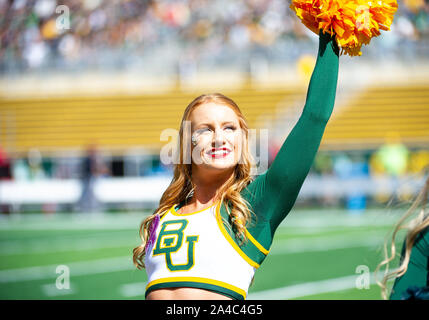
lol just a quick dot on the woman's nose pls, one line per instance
(219, 139)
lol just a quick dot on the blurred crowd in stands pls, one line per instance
(35, 166)
(392, 160)
(126, 34)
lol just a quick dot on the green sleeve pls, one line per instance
(272, 195)
(418, 268)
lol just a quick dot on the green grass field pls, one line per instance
(314, 256)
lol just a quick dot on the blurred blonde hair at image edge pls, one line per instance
(415, 220)
(181, 186)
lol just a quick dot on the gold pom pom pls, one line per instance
(354, 22)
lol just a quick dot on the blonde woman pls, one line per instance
(215, 224)
(412, 275)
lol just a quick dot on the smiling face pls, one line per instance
(217, 137)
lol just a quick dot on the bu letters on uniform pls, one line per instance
(170, 241)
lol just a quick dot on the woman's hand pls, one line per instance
(326, 39)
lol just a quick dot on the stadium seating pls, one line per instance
(121, 122)
(376, 114)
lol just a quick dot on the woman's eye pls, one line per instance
(203, 130)
(230, 128)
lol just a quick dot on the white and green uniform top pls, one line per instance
(195, 250)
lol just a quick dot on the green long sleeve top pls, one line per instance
(272, 195)
(418, 268)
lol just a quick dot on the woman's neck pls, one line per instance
(206, 189)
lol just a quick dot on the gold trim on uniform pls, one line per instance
(201, 280)
(231, 241)
(256, 243)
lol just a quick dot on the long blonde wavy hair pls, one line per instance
(413, 225)
(181, 187)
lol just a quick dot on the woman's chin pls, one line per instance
(218, 165)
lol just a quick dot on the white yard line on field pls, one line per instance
(130, 290)
(51, 290)
(324, 244)
(42, 246)
(76, 269)
(71, 222)
(310, 288)
(324, 220)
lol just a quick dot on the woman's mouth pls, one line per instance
(217, 153)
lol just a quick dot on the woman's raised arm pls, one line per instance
(273, 194)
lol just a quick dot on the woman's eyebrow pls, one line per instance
(228, 122)
(209, 124)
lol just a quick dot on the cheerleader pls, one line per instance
(216, 224)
